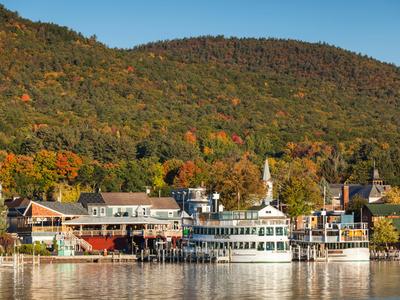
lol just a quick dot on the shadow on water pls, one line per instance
(202, 281)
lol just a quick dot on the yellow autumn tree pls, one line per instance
(393, 196)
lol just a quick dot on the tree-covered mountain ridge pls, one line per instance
(202, 99)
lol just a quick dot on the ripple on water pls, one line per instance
(202, 281)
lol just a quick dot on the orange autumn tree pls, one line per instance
(68, 165)
(191, 174)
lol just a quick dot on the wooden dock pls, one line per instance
(179, 255)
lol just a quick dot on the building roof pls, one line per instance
(69, 209)
(164, 203)
(384, 209)
(18, 202)
(114, 198)
(92, 220)
(365, 191)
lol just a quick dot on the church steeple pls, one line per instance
(376, 180)
(268, 182)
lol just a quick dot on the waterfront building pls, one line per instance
(127, 221)
(192, 200)
(98, 221)
(342, 194)
(41, 221)
(373, 212)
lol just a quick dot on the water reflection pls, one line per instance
(202, 281)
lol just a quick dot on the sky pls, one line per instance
(363, 26)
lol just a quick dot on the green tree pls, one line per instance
(355, 206)
(384, 233)
(301, 195)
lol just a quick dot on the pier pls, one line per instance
(179, 255)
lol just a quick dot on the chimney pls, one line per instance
(345, 196)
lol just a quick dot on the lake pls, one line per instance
(202, 281)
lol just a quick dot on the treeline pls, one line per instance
(304, 167)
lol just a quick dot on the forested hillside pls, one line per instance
(77, 115)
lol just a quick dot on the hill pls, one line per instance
(205, 99)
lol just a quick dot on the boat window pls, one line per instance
(280, 246)
(253, 230)
(242, 215)
(246, 245)
(253, 245)
(269, 246)
(285, 231)
(231, 230)
(241, 230)
(247, 230)
(269, 231)
(279, 230)
(261, 231)
(213, 231)
(241, 245)
(260, 246)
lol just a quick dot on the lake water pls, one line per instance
(202, 281)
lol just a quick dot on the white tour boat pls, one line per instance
(339, 240)
(256, 235)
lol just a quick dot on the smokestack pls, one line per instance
(345, 196)
(215, 198)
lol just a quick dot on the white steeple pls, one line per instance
(268, 182)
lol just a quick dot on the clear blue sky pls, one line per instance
(365, 26)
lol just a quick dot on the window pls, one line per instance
(253, 245)
(241, 230)
(247, 230)
(260, 246)
(170, 214)
(94, 210)
(280, 246)
(102, 211)
(261, 231)
(269, 231)
(254, 230)
(144, 212)
(279, 230)
(246, 245)
(269, 246)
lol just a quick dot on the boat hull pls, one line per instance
(351, 254)
(260, 257)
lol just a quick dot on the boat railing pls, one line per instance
(238, 223)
